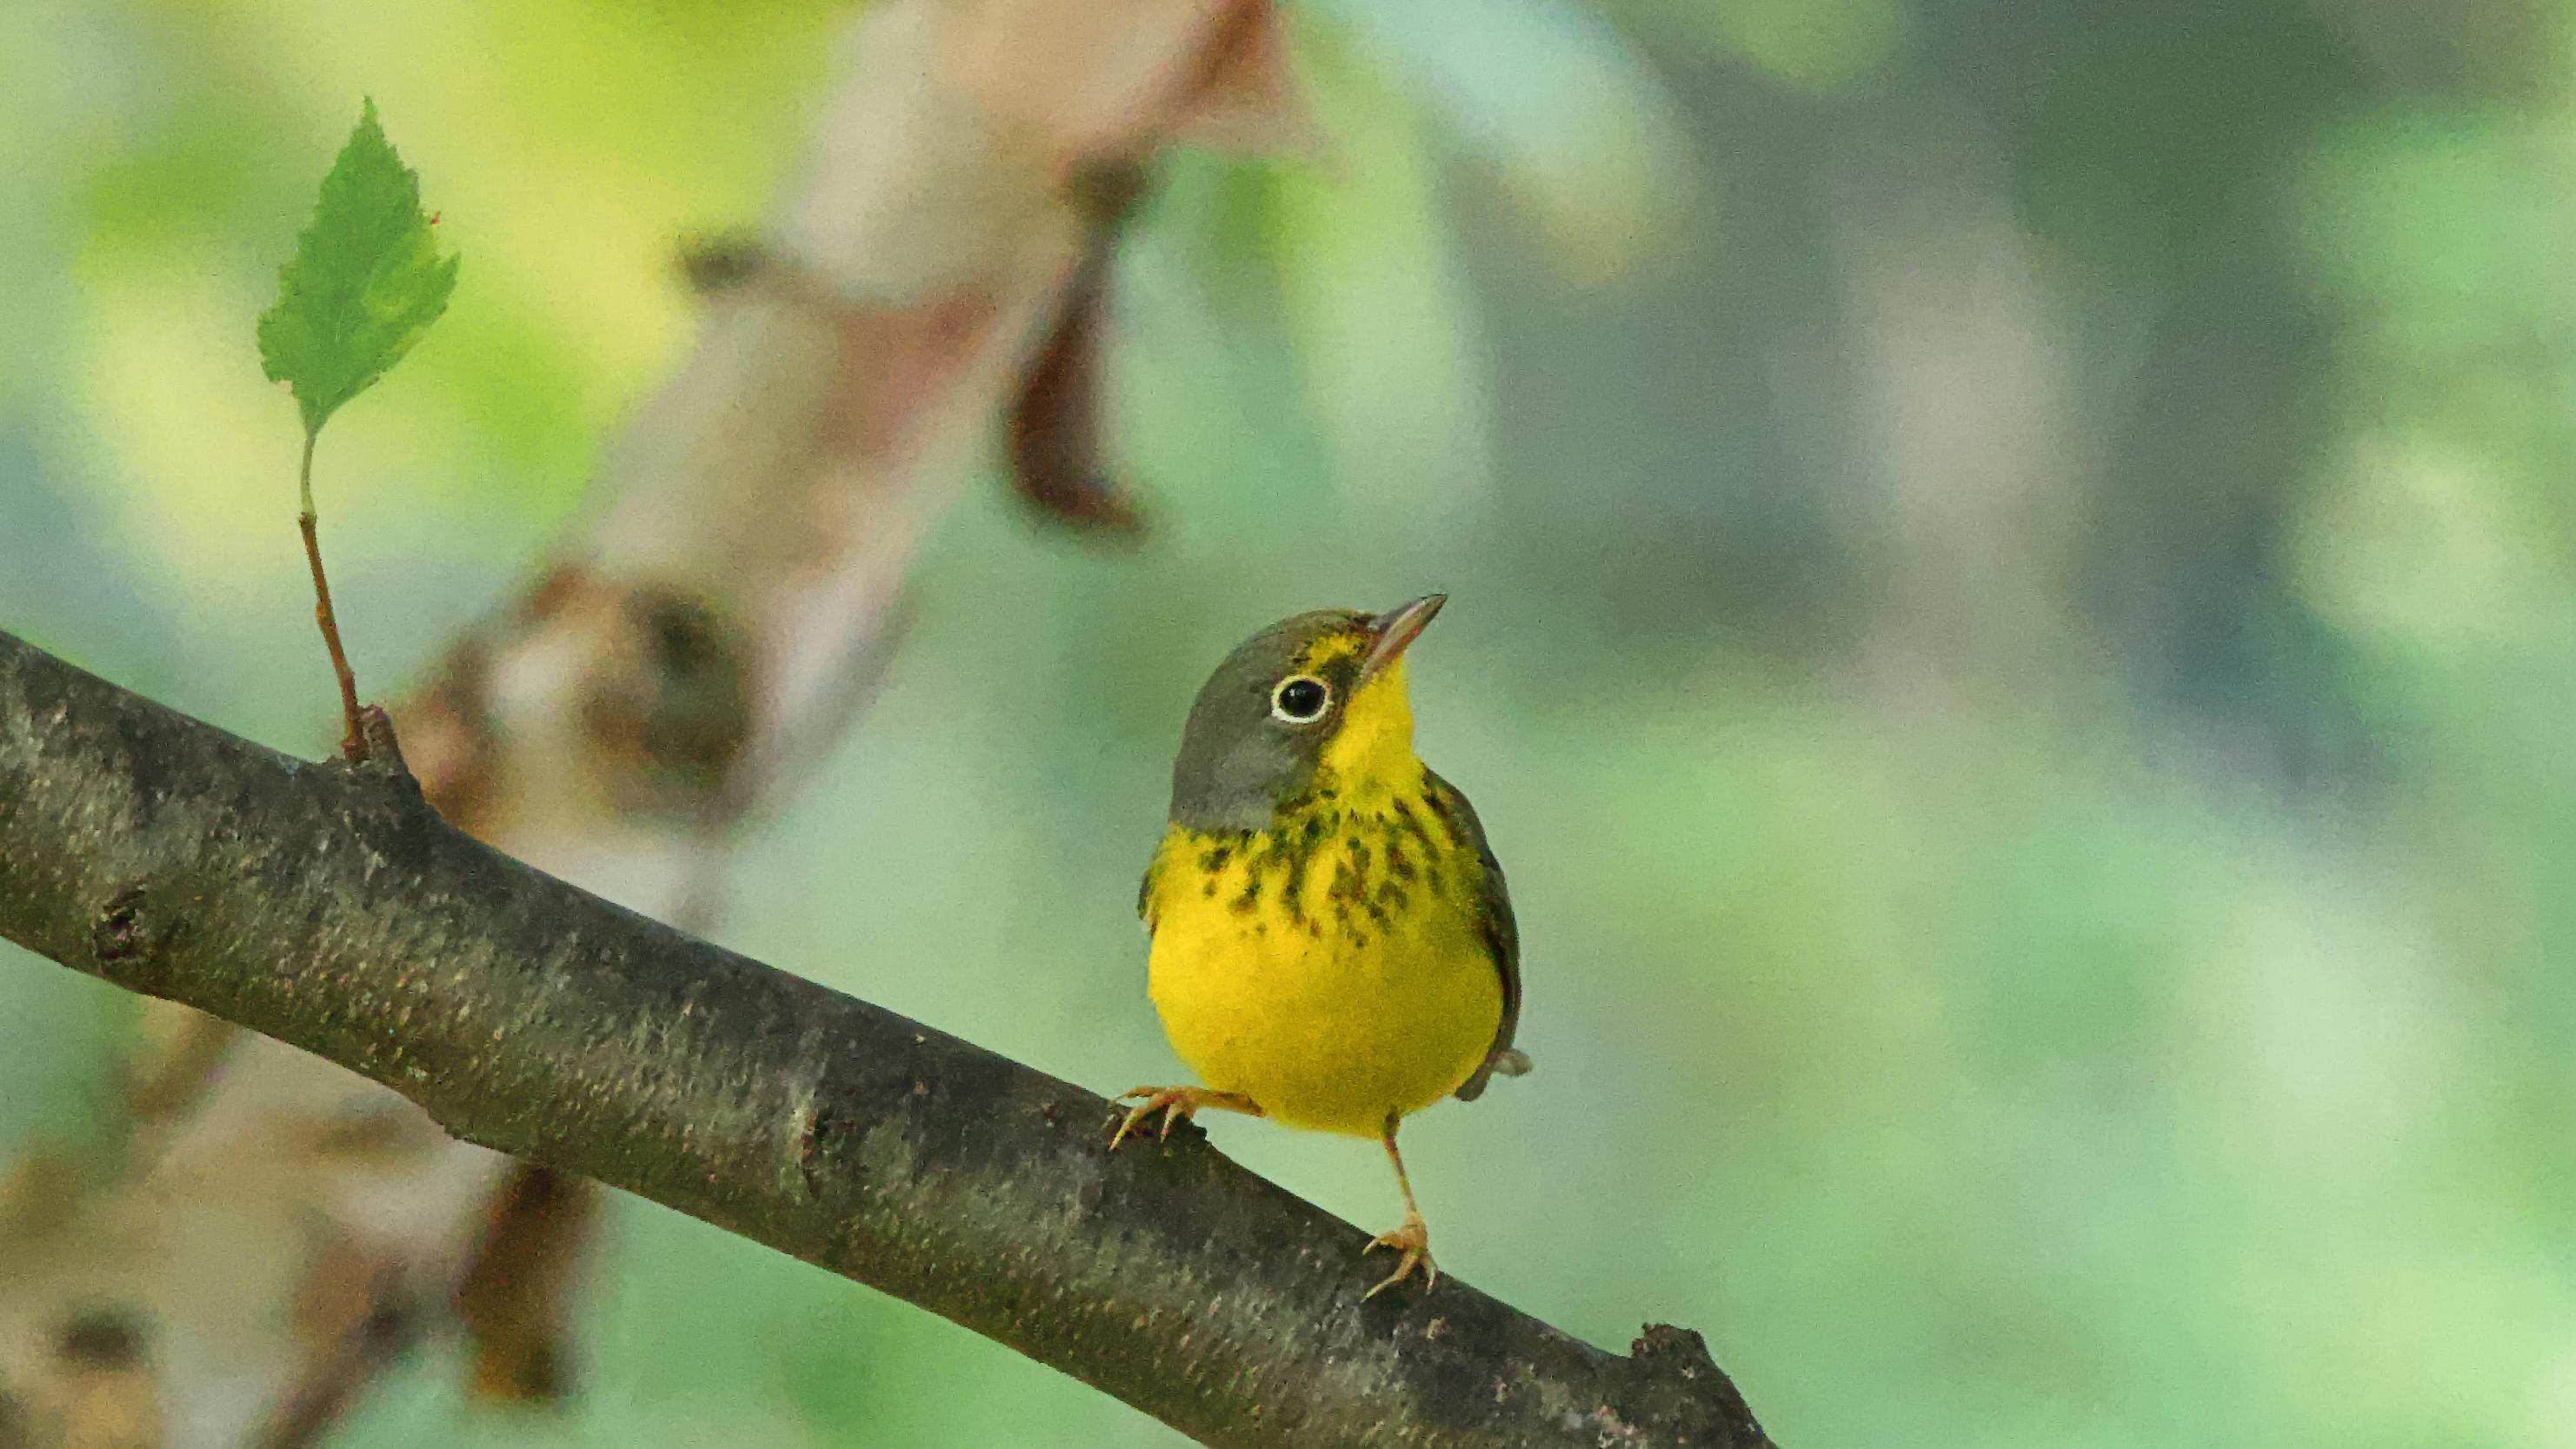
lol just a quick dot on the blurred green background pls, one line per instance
(2013, 620)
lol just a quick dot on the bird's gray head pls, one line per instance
(1265, 719)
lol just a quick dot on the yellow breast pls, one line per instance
(1332, 970)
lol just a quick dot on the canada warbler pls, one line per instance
(1332, 944)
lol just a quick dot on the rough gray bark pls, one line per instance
(330, 908)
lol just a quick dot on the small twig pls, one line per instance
(353, 745)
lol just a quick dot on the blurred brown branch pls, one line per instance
(330, 908)
(676, 662)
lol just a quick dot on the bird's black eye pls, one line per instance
(1300, 700)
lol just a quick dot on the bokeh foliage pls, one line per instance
(2014, 622)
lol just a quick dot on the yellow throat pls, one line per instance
(1371, 755)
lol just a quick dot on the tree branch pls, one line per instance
(327, 906)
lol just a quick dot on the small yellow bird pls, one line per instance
(1332, 943)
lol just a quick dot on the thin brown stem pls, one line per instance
(353, 745)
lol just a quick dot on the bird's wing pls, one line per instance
(1501, 933)
(1145, 892)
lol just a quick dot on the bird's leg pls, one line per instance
(1413, 1237)
(1177, 1104)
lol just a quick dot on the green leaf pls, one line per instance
(366, 281)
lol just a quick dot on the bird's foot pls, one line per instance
(1177, 1104)
(1413, 1240)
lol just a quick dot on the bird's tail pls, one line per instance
(1504, 1061)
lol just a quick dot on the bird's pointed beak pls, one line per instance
(1395, 629)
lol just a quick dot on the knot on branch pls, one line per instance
(1672, 1350)
(130, 934)
(389, 794)
(1675, 1387)
(384, 752)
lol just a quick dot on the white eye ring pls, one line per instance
(1313, 702)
